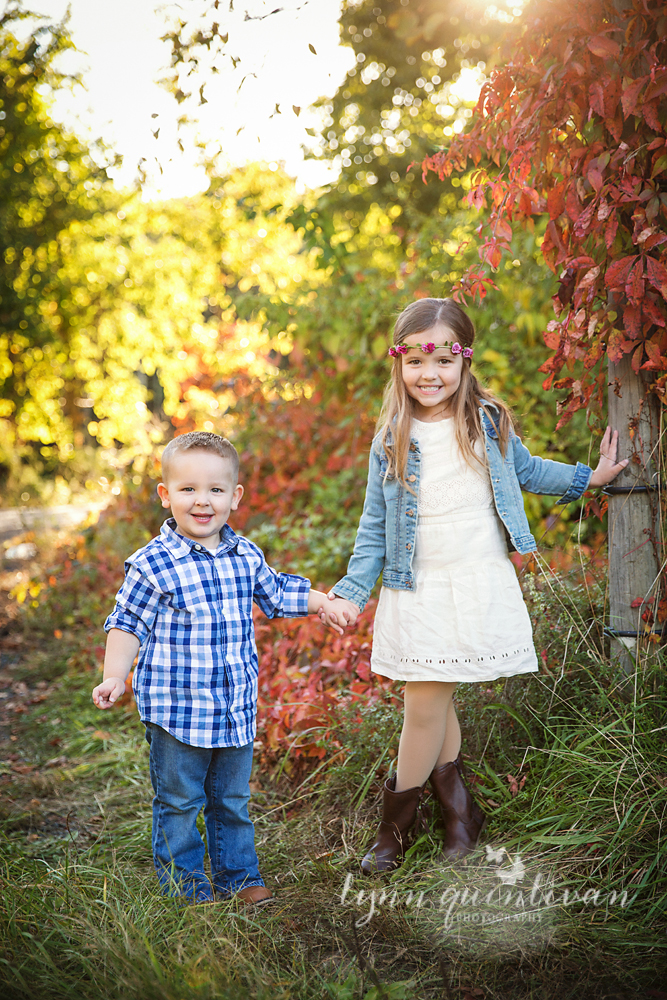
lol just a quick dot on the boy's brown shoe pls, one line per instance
(254, 895)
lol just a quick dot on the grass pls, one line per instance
(81, 917)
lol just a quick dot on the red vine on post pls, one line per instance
(574, 126)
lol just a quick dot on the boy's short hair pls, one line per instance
(201, 441)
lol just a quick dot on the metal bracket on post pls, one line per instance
(612, 491)
(630, 635)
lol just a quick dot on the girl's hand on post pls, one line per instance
(608, 468)
(106, 694)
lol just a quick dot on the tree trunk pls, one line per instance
(634, 518)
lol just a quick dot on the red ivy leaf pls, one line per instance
(610, 230)
(634, 286)
(630, 95)
(603, 47)
(595, 179)
(657, 88)
(618, 271)
(657, 275)
(632, 320)
(556, 201)
(652, 310)
(650, 112)
(615, 346)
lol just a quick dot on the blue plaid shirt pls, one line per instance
(191, 609)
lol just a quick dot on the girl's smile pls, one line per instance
(431, 379)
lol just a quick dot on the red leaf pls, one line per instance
(618, 271)
(634, 286)
(637, 603)
(650, 112)
(573, 204)
(652, 310)
(656, 360)
(556, 201)
(615, 346)
(657, 275)
(596, 97)
(632, 321)
(637, 359)
(595, 179)
(603, 47)
(630, 95)
(503, 230)
(610, 230)
(657, 88)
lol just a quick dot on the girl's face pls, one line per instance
(431, 379)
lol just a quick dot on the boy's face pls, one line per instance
(201, 490)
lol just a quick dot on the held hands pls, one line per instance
(337, 613)
(608, 468)
(108, 692)
(344, 612)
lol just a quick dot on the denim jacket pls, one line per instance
(386, 536)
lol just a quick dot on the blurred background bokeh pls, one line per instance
(258, 307)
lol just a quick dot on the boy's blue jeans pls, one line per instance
(184, 779)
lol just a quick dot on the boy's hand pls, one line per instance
(608, 468)
(106, 694)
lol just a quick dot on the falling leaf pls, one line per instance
(155, 115)
(296, 110)
(312, 49)
(156, 133)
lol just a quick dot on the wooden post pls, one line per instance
(635, 543)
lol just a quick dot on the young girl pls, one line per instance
(443, 500)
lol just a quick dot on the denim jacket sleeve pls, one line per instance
(542, 475)
(368, 558)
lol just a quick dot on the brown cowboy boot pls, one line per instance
(399, 812)
(463, 818)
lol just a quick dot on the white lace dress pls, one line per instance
(466, 619)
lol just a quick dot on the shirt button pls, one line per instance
(411, 513)
(198, 546)
(412, 447)
(411, 478)
(409, 546)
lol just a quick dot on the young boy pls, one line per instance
(186, 607)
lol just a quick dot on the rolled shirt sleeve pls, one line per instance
(281, 595)
(137, 604)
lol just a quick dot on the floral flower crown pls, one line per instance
(456, 348)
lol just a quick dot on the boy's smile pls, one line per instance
(199, 487)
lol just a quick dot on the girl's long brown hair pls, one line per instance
(395, 418)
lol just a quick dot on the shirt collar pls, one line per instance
(181, 547)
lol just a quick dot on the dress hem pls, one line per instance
(446, 678)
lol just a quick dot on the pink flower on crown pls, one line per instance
(393, 353)
(467, 353)
(427, 348)
(402, 349)
(456, 348)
